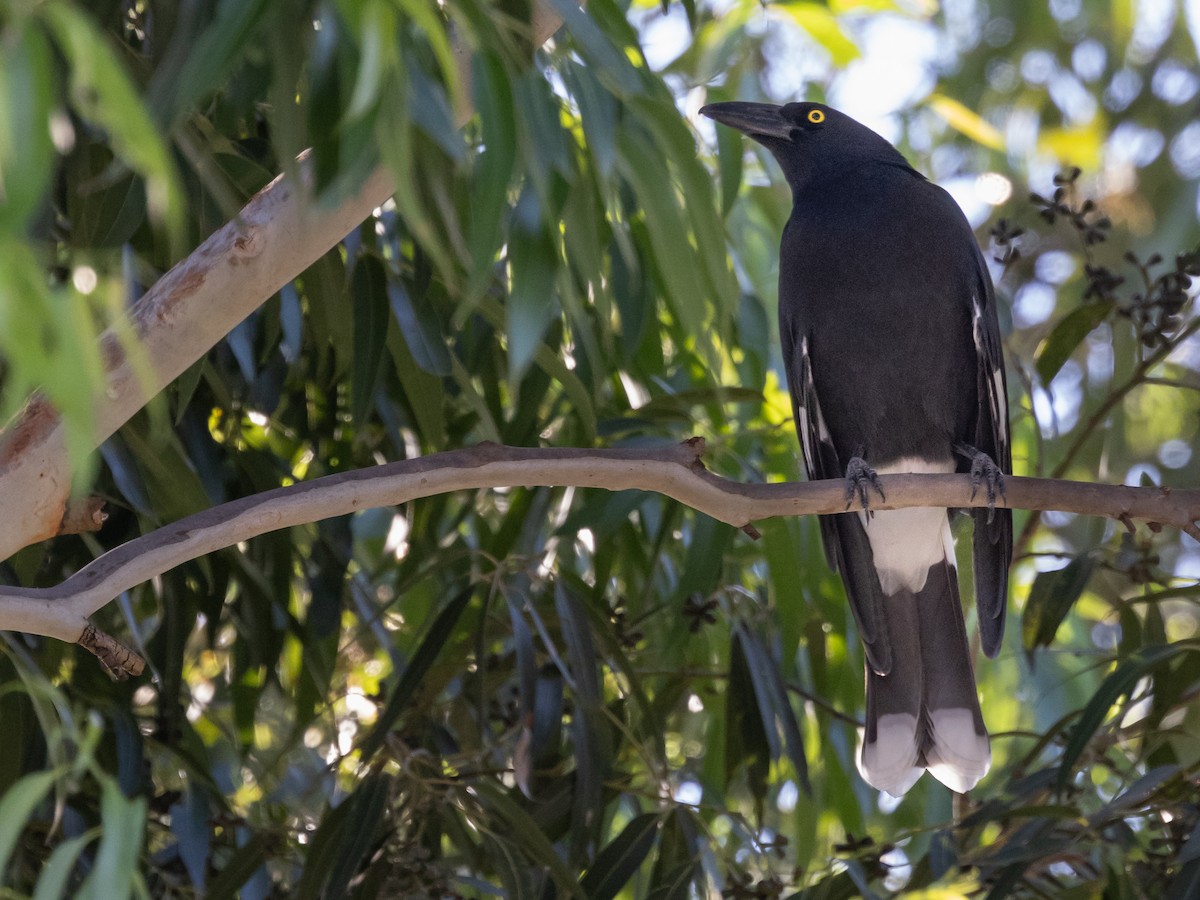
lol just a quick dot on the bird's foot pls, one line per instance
(984, 471)
(860, 477)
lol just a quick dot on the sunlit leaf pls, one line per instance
(823, 27)
(967, 122)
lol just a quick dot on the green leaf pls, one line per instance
(746, 736)
(423, 391)
(27, 155)
(323, 851)
(376, 29)
(705, 556)
(368, 286)
(421, 328)
(106, 204)
(103, 94)
(435, 639)
(731, 147)
(526, 834)
(643, 166)
(1056, 348)
(1123, 680)
(778, 717)
(1051, 598)
(619, 861)
(493, 170)
(124, 821)
(964, 121)
(607, 60)
(533, 267)
(366, 810)
(17, 806)
(823, 27)
(55, 876)
(678, 863)
(592, 746)
(177, 89)
(553, 365)
(324, 287)
(238, 869)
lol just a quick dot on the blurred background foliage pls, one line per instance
(540, 693)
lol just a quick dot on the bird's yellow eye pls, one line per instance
(816, 116)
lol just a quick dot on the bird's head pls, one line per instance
(811, 141)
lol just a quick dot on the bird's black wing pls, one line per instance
(847, 548)
(992, 550)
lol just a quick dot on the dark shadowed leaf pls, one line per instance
(236, 871)
(526, 834)
(1123, 680)
(334, 859)
(1066, 336)
(590, 734)
(368, 285)
(533, 262)
(678, 860)
(1051, 598)
(421, 329)
(619, 860)
(439, 632)
(747, 739)
(779, 719)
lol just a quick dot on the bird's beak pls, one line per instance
(752, 119)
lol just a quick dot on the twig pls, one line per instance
(1136, 379)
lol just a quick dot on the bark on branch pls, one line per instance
(62, 612)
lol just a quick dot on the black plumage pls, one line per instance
(892, 349)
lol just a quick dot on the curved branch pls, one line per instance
(676, 471)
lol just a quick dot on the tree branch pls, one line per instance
(676, 471)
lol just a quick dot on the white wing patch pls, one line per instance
(905, 543)
(810, 419)
(996, 399)
(999, 404)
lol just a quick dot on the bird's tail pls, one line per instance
(924, 714)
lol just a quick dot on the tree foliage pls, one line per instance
(554, 692)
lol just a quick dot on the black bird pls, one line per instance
(892, 348)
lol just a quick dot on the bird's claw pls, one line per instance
(859, 477)
(984, 471)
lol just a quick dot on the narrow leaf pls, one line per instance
(1056, 348)
(1123, 680)
(964, 121)
(368, 286)
(619, 861)
(56, 873)
(527, 835)
(1051, 598)
(421, 330)
(245, 861)
(435, 639)
(367, 806)
(17, 806)
(823, 27)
